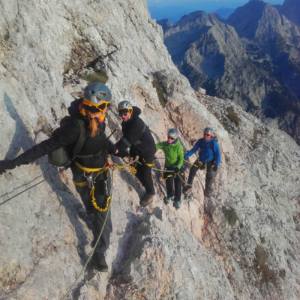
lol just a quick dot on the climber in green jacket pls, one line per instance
(173, 161)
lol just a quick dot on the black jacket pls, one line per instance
(137, 137)
(67, 135)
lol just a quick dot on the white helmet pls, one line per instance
(173, 133)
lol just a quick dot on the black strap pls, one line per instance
(77, 148)
(88, 155)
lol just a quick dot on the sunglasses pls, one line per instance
(205, 134)
(96, 108)
(170, 138)
(123, 113)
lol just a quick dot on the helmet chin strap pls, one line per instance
(101, 118)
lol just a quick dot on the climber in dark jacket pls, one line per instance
(137, 137)
(209, 155)
(93, 158)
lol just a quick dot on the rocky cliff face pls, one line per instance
(243, 243)
(254, 61)
(275, 34)
(291, 9)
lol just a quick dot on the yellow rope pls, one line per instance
(119, 167)
(132, 169)
(190, 163)
(92, 194)
(80, 183)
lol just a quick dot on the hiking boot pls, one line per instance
(146, 200)
(176, 204)
(187, 189)
(99, 262)
(167, 200)
(207, 193)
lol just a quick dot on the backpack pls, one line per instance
(63, 157)
(211, 144)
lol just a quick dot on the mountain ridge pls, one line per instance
(263, 75)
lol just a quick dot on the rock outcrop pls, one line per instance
(291, 9)
(242, 243)
(165, 24)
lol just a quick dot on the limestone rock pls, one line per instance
(247, 247)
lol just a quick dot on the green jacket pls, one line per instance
(173, 153)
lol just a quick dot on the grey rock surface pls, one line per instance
(247, 248)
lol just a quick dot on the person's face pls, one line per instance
(125, 115)
(170, 140)
(100, 113)
(206, 136)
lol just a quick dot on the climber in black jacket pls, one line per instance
(137, 137)
(90, 163)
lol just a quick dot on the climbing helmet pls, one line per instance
(124, 107)
(96, 97)
(173, 133)
(208, 131)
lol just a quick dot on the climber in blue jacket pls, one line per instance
(209, 155)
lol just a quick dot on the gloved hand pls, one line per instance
(6, 165)
(112, 149)
(176, 170)
(215, 168)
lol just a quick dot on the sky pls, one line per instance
(175, 9)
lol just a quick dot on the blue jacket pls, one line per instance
(205, 152)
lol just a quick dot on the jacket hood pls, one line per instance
(173, 143)
(136, 111)
(73, 109)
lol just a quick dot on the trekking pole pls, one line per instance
(111, 134)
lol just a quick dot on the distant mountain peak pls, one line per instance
(165, 24)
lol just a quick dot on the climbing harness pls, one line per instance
(91, 180)
(100, 234)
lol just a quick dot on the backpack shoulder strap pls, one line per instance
(200, 142)
(79, 144)
(212, 145)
